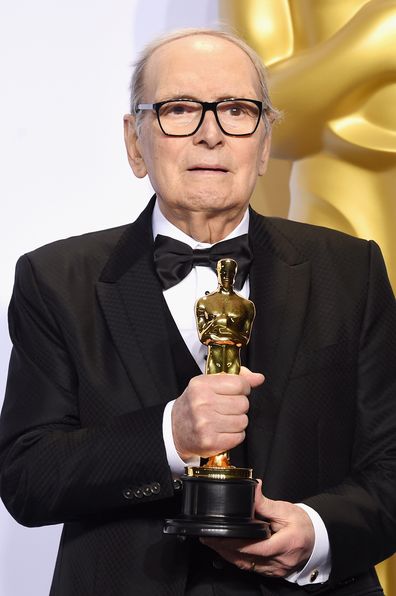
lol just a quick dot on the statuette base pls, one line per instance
(218, 502)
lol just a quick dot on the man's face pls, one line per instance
(209, 171)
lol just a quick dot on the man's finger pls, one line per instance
(255, 379)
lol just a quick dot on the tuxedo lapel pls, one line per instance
(279, 281)
(133, 305)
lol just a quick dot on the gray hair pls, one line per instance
(270, 113)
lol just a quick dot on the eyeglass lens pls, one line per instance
(178, 117)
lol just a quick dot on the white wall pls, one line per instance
(64, 73)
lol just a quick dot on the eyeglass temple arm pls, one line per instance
(144, 106)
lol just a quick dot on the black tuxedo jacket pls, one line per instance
(95, 360)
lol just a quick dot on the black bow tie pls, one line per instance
(174, 259)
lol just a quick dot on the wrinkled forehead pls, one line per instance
(202, 66)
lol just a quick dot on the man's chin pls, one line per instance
(210, 202)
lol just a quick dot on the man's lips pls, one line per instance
(208, 168)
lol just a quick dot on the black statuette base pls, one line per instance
(213, 507)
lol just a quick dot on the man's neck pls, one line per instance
(201, 227)
(207, 229)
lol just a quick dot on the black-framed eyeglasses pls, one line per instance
(237, 117)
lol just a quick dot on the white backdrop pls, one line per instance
(64, 72)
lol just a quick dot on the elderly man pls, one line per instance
(106, 402)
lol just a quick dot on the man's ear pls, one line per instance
(135, 158)
(265, 153)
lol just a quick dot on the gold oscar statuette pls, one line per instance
(218, 498)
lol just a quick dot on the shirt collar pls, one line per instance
(164, 227)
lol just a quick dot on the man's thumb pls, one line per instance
(255, 379)
(263, 506)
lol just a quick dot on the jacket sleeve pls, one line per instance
(52, 469)
(360, 513)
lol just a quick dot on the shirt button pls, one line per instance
(314, 575)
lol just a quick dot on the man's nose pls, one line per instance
(209, 132)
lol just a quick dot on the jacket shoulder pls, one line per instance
(323, 247)
(309, 238)
(77, 254)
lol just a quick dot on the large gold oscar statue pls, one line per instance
(224, 323)
(332, 71)
(218, 498)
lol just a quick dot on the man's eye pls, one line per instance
(178, 109)
(236, 110)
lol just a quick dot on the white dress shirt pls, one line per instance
(180, 300)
